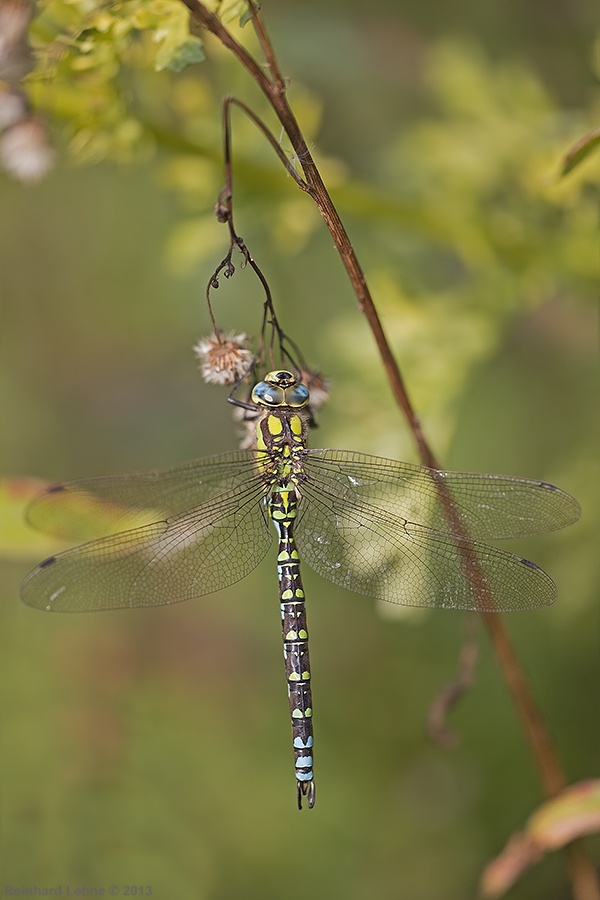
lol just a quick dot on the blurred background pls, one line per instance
(152, 747)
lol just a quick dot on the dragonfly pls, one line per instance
(386, 529)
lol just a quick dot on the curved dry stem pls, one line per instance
(233, 101)
(450, 694)
(224, 214)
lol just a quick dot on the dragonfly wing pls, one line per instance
(363, 549)
(95, 507)
(185, 556)
(484, 506)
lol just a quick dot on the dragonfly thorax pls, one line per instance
(282, 428)
(281, 437)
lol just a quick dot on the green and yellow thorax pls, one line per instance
(282, 429)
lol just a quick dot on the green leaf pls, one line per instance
(231, 9)
(18, 540)
(65, 518)
(581, 150)
(246, 17)
(181, 56)
(573, 814)
(519, 854)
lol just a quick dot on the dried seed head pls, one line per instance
(223, 206)
(25, 151)
(224, 358)
(247, 432)
(318, 388)
(221, 213)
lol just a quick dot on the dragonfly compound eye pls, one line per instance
(297, 396)
(265, 394)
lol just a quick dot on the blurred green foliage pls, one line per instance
(467, 220)
(152, 747)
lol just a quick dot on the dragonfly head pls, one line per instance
(279, 389)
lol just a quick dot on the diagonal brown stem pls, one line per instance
(275, 93)
(583, 877)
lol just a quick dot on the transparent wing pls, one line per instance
(487, 506)
(95, 507)
(362, 548)
(184, 556)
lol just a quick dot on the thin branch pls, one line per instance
(224, 214)
(212, 23)
(271, 139)
(267, 47)
(583, 879)
(437, 716)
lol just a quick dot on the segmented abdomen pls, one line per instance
(295, 640)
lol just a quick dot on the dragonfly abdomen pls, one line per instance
(295, 640)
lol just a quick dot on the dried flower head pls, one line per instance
(224, 358)
(25, 151)
(247, 432)
(318, 388)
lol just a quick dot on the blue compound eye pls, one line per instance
(281, 388)
(297, 396)
(268, 395)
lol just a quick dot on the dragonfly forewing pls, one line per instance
(492, 507)
(92, 508)
(186, 556)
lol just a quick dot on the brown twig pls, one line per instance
(583, 878)
(233, 101)
(224, 214)
(437, 716)
(275, 94)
